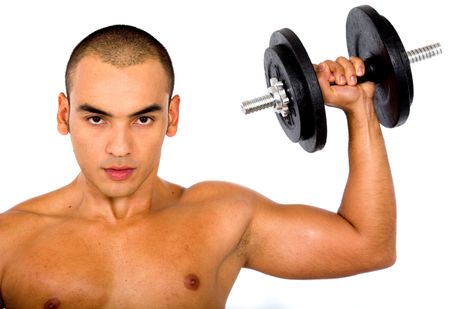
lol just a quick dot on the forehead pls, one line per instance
(111, 87)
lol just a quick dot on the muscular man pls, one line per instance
(119, 236)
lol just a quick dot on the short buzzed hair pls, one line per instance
(121, 46)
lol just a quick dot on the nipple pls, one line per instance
(192, 282)
(53, 303)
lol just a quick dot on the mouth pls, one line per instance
(119, 173)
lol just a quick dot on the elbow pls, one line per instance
(376, 255)
(391, 258)
(387, 252)
(381, 258)
(380, 250)
(388, 259)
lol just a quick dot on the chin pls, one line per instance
(118, 191)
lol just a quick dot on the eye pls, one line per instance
(144, 120)
(95, 120)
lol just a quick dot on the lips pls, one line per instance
(119, 173)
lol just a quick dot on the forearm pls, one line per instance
(368, 202)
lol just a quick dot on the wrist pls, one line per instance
(362, 112)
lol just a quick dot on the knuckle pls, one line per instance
(356, 60)
(328, 63)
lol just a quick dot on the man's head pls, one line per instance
(118, 108)
(120, 46)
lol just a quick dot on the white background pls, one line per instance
(217, 50)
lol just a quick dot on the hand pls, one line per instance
(338, 82)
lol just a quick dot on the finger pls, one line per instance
(349, 70)
(337, 71)
(324, 72)
(358, 63)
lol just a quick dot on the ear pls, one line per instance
(63, 114)
(174, 112)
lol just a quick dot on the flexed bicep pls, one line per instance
(302, 242)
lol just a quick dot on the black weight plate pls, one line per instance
(287, 60)
(279, 63)
(371, 35)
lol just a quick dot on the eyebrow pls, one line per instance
(91, 109)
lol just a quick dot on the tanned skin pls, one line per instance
(119, 236)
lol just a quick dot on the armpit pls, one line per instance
(242, 246)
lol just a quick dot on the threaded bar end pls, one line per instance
(423, 53)
(257, 104)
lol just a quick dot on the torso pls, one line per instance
(186, 255)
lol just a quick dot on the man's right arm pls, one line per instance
(308, 242)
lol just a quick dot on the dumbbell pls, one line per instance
(294, 90)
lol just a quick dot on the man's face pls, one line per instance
(118, 119)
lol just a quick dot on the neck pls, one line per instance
(94, 204)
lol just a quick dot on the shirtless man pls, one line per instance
(119, 236)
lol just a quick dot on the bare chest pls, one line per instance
(162, 265)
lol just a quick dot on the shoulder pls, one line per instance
(225, 192)
(227, 198)
(24, 219)
(21, 217)
(53, 203)
(236, 210)
(14, 218)
(228, 210)
(14, 224)
(20, 224)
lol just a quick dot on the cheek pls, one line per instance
(86, 149)
(149, 148)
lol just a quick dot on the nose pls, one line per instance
(119, 142)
